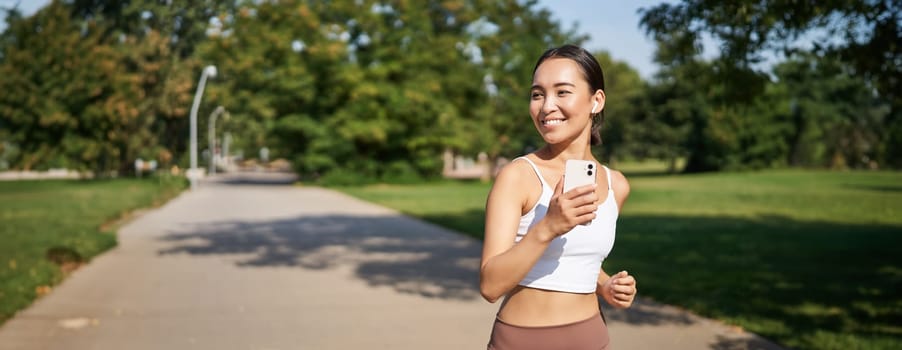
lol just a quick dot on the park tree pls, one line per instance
(424, 89)
(864, 35)
(183, 23)
(158, 40)
(699, 112)
(66, 101)
(375, 90)
(358, 94)
(506, 38)
(834, 118)
(11, 16)
(349, 90)
(627, 132)
(134, 58)
(680, 105)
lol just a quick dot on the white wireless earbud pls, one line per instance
(594, 106)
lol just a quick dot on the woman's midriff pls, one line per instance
(530, 307)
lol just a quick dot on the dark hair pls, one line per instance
(591, 72)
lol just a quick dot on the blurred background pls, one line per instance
(367, 91)
(763, 139)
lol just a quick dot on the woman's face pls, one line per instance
(560, 101)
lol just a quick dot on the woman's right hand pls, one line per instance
(566, 210)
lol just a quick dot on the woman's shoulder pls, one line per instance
(617, 177)
(619, 184)
(510, 183)
(514, 172)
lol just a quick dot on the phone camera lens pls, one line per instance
(590, 166)
(589, 172)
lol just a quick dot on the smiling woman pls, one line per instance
(563, 87)
(544, 247)
(789, 240)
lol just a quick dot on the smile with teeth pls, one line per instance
(553, 121)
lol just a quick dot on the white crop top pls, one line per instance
(572, 261)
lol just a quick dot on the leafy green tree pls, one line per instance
(696, 111)
(681, 99)
(158, 41)
(116, 77)
(355, 91)
(862, 34)
(835, 118)
(67, 102)
(12, 15)
(627, 132)
(183, 23)
(378, 90)
(509, 36)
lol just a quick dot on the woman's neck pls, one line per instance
(561, 153)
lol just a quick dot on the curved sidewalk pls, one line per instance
(245, 265)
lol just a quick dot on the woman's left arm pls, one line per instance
(620, 289)
(621, 188)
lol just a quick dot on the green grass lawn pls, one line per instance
(50, 224)
(810, 259)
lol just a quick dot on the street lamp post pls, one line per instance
(193, 172)
(211, 136)
(226, 141)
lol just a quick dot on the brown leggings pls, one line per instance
(590, 334)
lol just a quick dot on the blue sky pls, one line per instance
(613, 26)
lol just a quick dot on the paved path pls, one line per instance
(253, 265)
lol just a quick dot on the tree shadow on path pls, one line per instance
(647, 312)
(744, 343)
(396, 251)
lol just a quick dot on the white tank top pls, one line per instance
(572, 261)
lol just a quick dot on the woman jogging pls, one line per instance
(544, 247)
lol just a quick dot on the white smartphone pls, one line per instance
(579, 173)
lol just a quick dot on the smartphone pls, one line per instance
(579, 173)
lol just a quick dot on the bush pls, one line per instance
(344, 177)
(401, 172)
